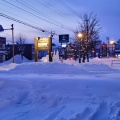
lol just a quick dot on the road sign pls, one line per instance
(64, 38)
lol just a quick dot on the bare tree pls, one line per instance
(21, 44)
(90, 29)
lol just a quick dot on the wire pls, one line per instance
(35, 10)
(18, 16)
(24, 23)
(37, 16)
(68, 7)
(55, 10)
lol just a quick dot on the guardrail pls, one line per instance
(115, 62)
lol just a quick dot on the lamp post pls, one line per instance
(1, 30)
(112, 45)
(80, 37)
(108, 52)
(12, 40)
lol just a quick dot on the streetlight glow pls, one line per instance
(80, 35)
(112, 42)
(112, 46)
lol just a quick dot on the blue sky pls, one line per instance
(53, 15)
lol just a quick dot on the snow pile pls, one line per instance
(17, 59)
(45, 59)
(56, 56)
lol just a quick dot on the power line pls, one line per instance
(68, 8)
(37, 16)
(18, 16)
(43, 14)
(61, 13)
(24, 23)
(55, 10)
(35, 10)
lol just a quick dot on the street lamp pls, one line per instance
(80, 35)
(112, 42)
(1, 30)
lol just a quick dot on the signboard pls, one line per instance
(64, 38)
(43, 44)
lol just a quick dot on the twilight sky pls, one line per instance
(60, 16)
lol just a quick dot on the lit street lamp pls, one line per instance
(80, 38)
(112, 42)
(1, 30)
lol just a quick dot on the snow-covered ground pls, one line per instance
(59, 91)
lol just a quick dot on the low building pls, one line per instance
(117, 49)
(27, 52)
(2, 49)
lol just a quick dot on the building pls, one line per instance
(70, 51)
(97, 51)
(104, 50)
(117, 49)
(2, 49)
(27, 51)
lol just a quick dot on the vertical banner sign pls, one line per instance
(43, 44)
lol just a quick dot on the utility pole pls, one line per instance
(52, 33)
(108, 40)
(50, 49)
(12, 41)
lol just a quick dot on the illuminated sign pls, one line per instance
(43, 44)
(64, 38)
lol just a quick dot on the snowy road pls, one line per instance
(55, 91)
(56, 97)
